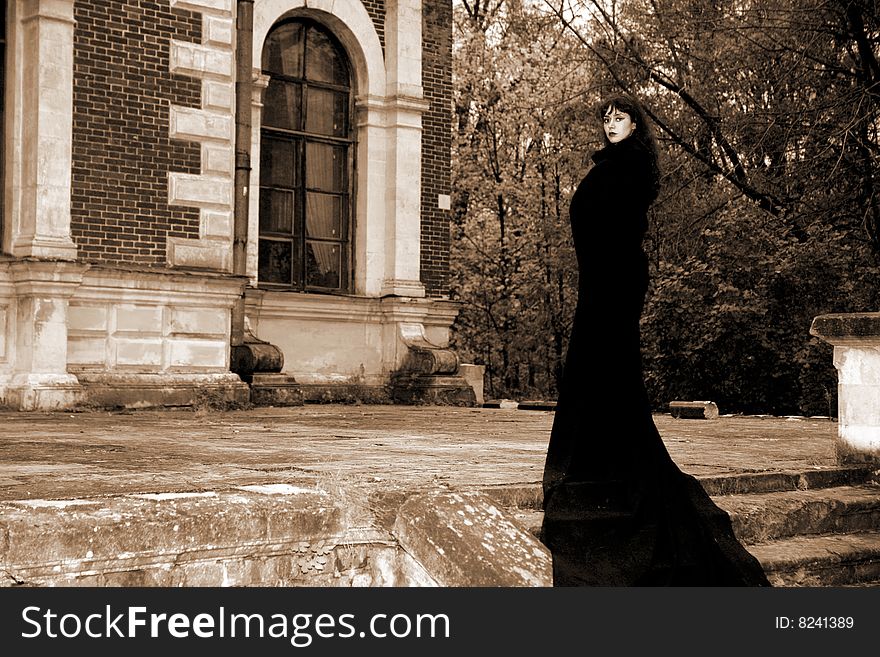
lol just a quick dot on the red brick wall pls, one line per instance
(121, 149)
(436, 143)
(122, 153)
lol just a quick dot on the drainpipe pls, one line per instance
(250, 357)
(244, 29)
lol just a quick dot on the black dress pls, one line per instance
(617, 509)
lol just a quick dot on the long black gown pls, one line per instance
(617, 509)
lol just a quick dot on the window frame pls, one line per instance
(299, 138)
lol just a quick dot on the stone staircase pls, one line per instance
(813, 528)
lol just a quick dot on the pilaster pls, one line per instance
(40, 379)
(404, 109)
(42, 129)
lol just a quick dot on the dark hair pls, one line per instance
(643, 134)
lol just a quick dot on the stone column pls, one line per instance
(856, 341)
(42, 159)
(40, 379)
(404, 109)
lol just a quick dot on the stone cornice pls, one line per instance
(55, 278)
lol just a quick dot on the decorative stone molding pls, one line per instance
(349, 21)
(152, 322)
(430, 373)
(213, 126)
(856, 341)
(423, 357)
(328, 338)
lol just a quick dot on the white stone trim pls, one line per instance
(202, 253)
(218, 96)
(217, 159)
(389, 106)
(199, 191)
(38, 377)
(218, 31)
(212, 126)
(191, 124)
(403, 47)
(222, 7)
(349, 21)
(198, 61)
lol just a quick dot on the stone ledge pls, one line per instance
(463, 539)
(266, 535)
(695, 410)
(269, 535)
(847, 328)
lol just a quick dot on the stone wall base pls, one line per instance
(114, 390)
(855, 446)
(345, 393)
(275, 390)
(35, 392)
(442, 390)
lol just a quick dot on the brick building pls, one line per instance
(207, 198)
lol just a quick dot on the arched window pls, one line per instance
(305, 161)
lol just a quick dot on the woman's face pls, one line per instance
(618, 125)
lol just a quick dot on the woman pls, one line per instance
(617, 510)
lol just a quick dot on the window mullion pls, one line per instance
(299, 220)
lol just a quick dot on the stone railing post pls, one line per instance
(856, 341)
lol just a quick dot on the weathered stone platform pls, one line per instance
(320, 495)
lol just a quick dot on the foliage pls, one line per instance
(517, 157)
(768, 114)
(732, 325)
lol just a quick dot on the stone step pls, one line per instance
(743, 483)
(814, 537)
(529, 495)
(821, 560)
(762, 517)
(529, 519)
